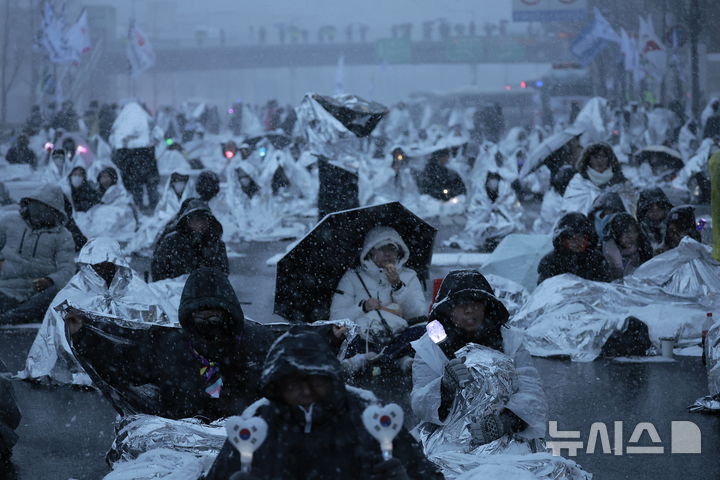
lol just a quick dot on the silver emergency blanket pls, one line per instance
(136, 434)
(150, 447)
(450, 446)
(711, 403)
(128, 297)
(487, 219)
(494, 381)
(327, 136)
(113, 215)
(568, 315)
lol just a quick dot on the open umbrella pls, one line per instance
(549, 146)
(661, 159)
(309, 273)
(517, 257)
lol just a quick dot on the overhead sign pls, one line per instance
(549, 10)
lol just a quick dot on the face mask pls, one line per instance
(179, 187)
(76, 180)
(598, 178)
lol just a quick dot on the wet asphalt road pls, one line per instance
(65, 433)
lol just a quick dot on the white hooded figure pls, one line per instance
(388, 180)
(380, 295)
(115, 213)
(178, 187)
(494, 213)
(104, 284)
(688, 141)
(468, 319)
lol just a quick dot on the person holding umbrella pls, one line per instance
(381, 295)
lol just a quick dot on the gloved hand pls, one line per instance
(456, 375)
(243, 476)
(389, 470)
(355, 363)
(491, 427)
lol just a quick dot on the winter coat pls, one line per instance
(589, 264)
(179, 252)
(440, 182)
(609, 203)
(347, 302)
(683, 216)
(621, 262)
(460, 286)
(654, 232)
(328, 441)
(35, 253)
(127, 297)
(155, 370)
(21, 155)
(9, 417)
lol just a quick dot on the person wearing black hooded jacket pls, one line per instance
(195, 242)
(439, 181)
(653, 208)
(603, 208)
(680, 223)
(575, 245)
(624, 245)
(315, 428)
(209, 368)
(469, 312)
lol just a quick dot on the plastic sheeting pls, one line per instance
(137, 434)
(488, 220)
(450, 446)
(671, 293)
(517, 258)
(127, 297)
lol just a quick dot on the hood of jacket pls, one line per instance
(460, 286)
(208, 288)
(195, 205)
(102, 249)
(606, 201)
(570, 224)
(299, 350)
(379, 237)
(562, 177)
(650, 197)
(684, 217)
(52, 196)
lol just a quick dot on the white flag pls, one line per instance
(78, 37)
(52, 36)
(653, 53)
(603, 29)
(139, 51)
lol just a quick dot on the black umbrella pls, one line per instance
(309, 273)
(356, 114)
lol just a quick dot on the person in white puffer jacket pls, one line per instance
(381, 295)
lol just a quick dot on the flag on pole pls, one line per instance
(594, 38)
(603, 29)
(653, 54)
(52, 37)
(78, 37)
(140, 53)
